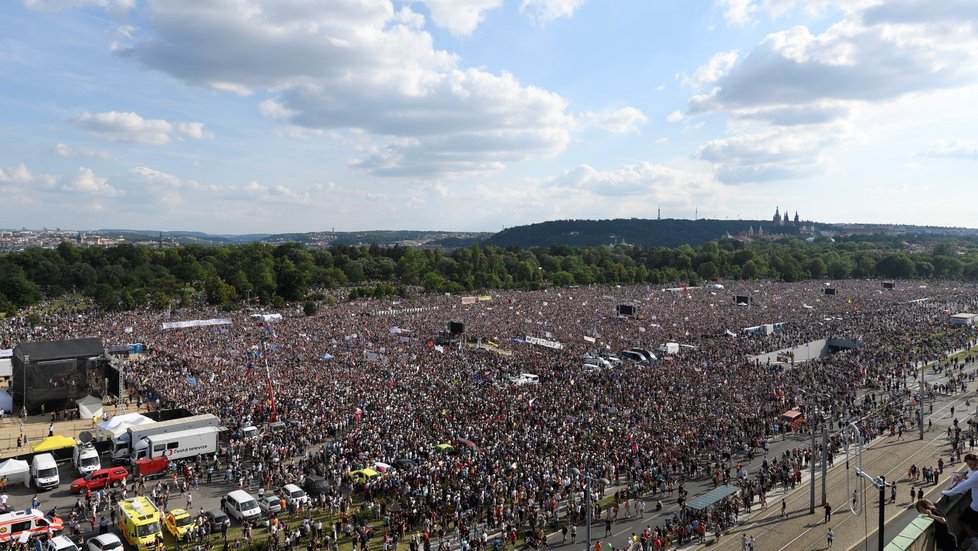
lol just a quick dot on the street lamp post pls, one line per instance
(587, 504)
(825, 458)
(881, 484)
(922, 403)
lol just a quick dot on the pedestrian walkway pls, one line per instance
(888, 457)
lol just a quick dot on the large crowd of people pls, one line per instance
(382, 381)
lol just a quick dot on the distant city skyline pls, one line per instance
(277, 116)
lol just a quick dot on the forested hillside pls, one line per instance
(131, 276)
(634, 231)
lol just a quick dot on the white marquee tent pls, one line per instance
(15, 471)
(89, 407)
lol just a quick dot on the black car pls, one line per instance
(315, 485)
(405, 463)
(216, 518)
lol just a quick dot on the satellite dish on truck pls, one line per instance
(85, 437)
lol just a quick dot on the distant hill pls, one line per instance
(138, 236)
(439, 239)
(412, 238)
(651, 233)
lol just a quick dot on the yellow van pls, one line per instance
(139, 522)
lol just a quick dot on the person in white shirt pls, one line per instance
(969, 518)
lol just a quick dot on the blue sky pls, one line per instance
(241, 116)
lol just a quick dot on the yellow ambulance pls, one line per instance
(139, 522)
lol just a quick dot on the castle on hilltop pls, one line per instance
(781, 221)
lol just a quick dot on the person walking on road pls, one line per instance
(784, 508)
(828, 512)
(828, 538)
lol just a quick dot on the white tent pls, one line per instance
(119, 423)
(670, 348)
(15, 471)
(6, 401)
(89, 407)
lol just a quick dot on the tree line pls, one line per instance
(137, 276)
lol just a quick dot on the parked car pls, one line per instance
(113, 476)
(291, 493)
(216, 518)
(105, 542)
(270, 504)
(315, 485)
(178, 523)
(60, 543)
(405, 463)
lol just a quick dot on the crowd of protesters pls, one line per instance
(382, 381)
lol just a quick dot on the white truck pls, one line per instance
(85, 459)
(177, 445)
(122, 444)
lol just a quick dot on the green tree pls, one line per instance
(840, 268)
(816, 268)
(708, 271)
(106, 297)
(217, 292)
(896, 265)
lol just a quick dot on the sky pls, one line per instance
(271, 116)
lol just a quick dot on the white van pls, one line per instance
(527, 379)
(44, 471)
(249, 432)
(241, 505)
(85, 458)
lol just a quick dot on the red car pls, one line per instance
(113, 476)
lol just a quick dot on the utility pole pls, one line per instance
(811, 485)
(825, 459)
(879, 538)
(921, 402)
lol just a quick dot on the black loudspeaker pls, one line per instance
(888, 285)
(625, 310)
(456, 327)
(829, 291)
(742, 299)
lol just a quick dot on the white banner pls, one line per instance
(589, 339)
(196, 323)
(393, 312)
(6, 352)
(543, 342)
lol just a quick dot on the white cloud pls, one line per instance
(131, 128)
(545, 11)
(86, 181)
(646, 179)
(360, 67)
(16, 175)
(798, 93)
(953, 149)
(741, 13)
(708, 75)
(461, 17)
(846, 62)
(738, 12)
(63, 150)
(772, 155)
(619, 121)
(118, 7)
